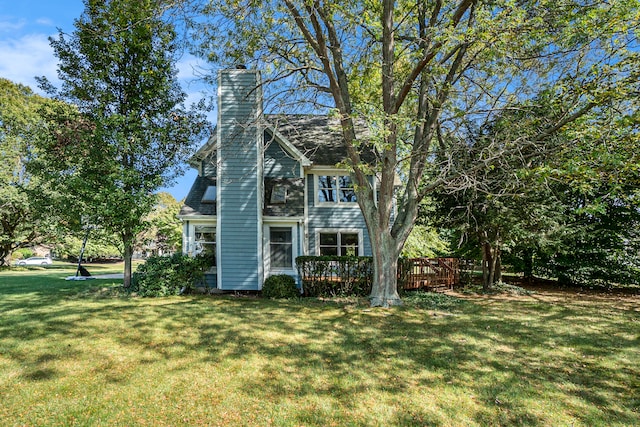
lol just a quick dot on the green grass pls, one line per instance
(75, 353)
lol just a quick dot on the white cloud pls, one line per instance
(45, 22)
(8, 26)
(24, 58)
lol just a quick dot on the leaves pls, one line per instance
(23, 219)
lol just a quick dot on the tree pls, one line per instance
(164, 235)
(597, 182)
(129, 133)
(22, 221)
(99, 246)
(570, 211)
(418, 72)
(508, 207)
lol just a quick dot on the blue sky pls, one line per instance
(25, 52)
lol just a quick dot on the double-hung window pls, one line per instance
(335, 189)
(340, 243)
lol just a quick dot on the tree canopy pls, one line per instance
(22, 220)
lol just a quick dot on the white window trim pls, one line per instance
(337, 203)
(267, 247)
(190, 243)
(357, 231)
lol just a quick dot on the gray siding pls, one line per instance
(277, 163)
(209, 167)
(339, 218)
(239, 182)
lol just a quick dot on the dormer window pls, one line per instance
(337, 189)
(209, 194)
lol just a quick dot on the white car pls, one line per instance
(35, 260)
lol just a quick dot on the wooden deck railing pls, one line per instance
(333, 276)
(428, 273)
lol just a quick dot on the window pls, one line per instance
(205, 237)
(278, 194)
(281, 245)
(209, 194)
(336, 189)
(339, 243)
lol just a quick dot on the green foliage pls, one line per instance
(99, 246)
(130, 132)
(280, 286)
(23, 220)
(163, 276)
(424, 241)
(432, 301)
(23, 253)
(164, 230)
(597, 248)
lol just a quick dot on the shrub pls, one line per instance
(280, 286)
(163, 276)
(23, 253)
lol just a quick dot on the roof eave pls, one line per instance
(207, 148)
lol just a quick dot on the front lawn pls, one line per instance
(72, 353)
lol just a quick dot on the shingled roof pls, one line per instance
(193, 205)
(317, 137)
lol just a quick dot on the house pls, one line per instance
(268, 190)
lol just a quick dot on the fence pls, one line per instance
(334, 276)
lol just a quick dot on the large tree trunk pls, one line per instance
(384, 292)
(527, 261)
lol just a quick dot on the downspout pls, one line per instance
(186, 249)
(305, 228)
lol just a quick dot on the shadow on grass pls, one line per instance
(503, 354)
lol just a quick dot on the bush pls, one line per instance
(23, 253)
(163, 276)
(280, 286)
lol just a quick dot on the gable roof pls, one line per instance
(311, 139)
